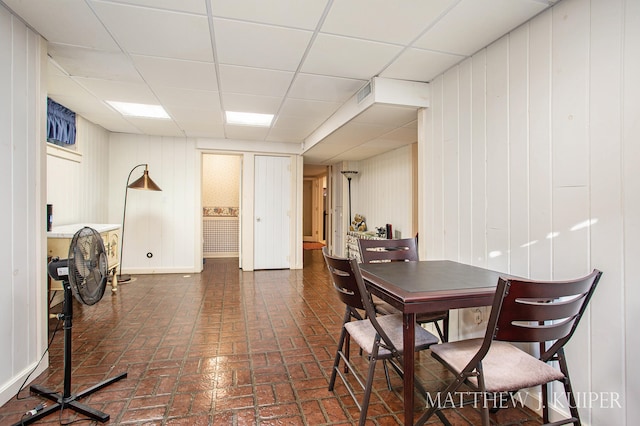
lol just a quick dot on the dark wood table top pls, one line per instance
(431, 285)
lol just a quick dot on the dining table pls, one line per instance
(422, 287)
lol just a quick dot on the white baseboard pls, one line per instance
(11, 388)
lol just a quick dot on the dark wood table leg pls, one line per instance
(409, 338)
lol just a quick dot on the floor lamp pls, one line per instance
(145, 183)
(349, 174)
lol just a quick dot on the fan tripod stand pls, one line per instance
(66, 399)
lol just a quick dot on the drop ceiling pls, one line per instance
(301, 60)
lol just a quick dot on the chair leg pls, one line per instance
(445, 328)
(367, 390)
(347, 351)
(435, 409)
(544, 389)
(443, 332)
(439, 331)
(544, 393)
(573, 408)
(336, 362)
(452, 387)
(386, 374)
(485, 404)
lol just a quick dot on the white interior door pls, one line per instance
(272, 216)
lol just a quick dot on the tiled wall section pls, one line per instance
(220, 236)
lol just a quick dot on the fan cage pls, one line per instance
(88, 266)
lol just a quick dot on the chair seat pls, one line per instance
(506, 368)
(364, 334)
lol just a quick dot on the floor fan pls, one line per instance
(84, 275)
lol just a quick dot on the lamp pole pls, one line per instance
(144, 182)
(349, 174)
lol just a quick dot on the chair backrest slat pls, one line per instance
(346, 275)
(343, 281)
(533, 311)
(404, 249)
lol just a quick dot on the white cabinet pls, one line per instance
(59, 238)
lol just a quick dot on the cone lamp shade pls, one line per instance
(144, 182)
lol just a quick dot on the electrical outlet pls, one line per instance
(477, 316)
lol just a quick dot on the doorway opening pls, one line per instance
(221, 181)
(314, 206)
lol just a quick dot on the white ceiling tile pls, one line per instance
(293, 128)
(177, 73)
(259, 46)
(63, 85)
(304, 123)
(383, 20)
(307, 108)
(246, 132)
(288, 13)
(474, 24)
(235, 79)
(324, 88)
(53, 69)
(118, 90)
(188, 98)
(191, 120)
(250, 103)
(157, 127)
(192, 6)
(92, 63)
(204, 130)
(74, 22)
(420, 65)
(287, 135)
(153, 32)
(194, 115)
(348, 57)
(84, 105)
(117, 125)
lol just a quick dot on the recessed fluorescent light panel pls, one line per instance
(139, 110)
(249, 118)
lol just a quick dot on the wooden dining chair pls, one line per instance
(379, 336)
(543, 312)
(405, 249)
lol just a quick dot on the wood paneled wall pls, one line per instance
(78, 187)
(23, 318)
(383, 191)
(529, 156)
(163, 230)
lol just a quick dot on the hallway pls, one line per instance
(224, 347)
